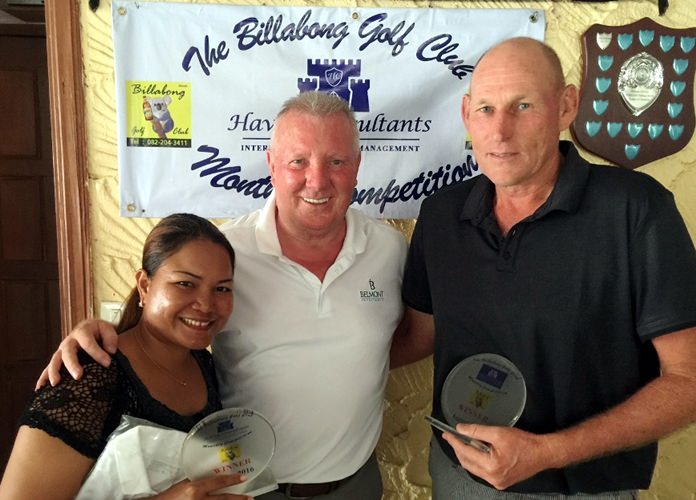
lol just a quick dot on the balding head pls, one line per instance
(538, 56)
(517, 106)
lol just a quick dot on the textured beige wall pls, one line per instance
(116, 242)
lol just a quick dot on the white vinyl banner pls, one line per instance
(198, 88)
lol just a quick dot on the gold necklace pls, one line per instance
(169, 373)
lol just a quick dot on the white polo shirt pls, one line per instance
(312, 356)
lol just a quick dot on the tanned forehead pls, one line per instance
(537, 53)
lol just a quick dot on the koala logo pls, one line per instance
(156, 111)
(337, 77)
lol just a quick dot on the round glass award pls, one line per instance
(484, 389)
(229, 441)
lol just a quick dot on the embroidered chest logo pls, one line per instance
(372, 294)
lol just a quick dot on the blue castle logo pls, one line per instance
(337, 77)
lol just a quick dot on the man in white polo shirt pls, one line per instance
(317, 298)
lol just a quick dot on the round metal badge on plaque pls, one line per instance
(640, 82)
(484, 389)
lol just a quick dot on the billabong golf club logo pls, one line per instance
(637, 92)
(371, 294)
(337, 77)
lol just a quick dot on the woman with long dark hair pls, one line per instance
(161, 373)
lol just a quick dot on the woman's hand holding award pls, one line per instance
(232, 441)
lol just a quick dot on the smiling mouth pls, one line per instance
(195, 323)
(315, 201)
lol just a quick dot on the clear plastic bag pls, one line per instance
(141, 459)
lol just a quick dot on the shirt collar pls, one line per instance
(571, 183)
(355, 241)
(267, 241)
(266, 233)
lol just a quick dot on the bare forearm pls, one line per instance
(402, 354)
(663, 406)
(659, 408)
(408, 348)
(413, 339)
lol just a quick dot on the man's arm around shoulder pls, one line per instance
(413, 339)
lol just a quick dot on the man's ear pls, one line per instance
(269, 163)
(466, 109)
(569, 107)
(357, 168)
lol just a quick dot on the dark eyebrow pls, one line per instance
(187, 273)
(193, 275)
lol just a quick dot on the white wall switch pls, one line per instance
(111, 311)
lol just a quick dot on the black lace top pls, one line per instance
(82, 413)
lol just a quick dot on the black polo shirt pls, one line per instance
(572, 295)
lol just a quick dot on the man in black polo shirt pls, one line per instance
(583, 276)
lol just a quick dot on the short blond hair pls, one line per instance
(320, 104)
